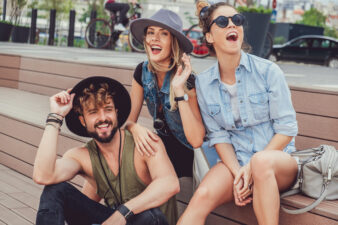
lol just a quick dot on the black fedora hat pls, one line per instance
(121, 100)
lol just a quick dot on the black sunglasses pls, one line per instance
(223, 21)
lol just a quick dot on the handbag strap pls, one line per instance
(309, 207)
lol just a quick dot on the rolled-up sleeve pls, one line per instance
(215, 133)
(281, 109)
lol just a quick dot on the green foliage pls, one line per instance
(192, 19)
(96, 5)
(331, 32)
(16, 6)
(34, 4)
(6, 22)
(254, 9)
(313, 17)
(279, 40)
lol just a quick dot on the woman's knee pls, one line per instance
(262, 165)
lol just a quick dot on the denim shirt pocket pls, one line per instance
(260, 105)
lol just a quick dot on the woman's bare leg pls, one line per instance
(272, 171)
(214, 190)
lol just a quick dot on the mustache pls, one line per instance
(103, 122)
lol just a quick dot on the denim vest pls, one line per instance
(154, 97)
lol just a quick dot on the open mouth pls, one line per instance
(232, 36)
(155, 49)
(103, 126)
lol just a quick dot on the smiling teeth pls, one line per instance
(103, 125)
(232, 34)
(156, 47)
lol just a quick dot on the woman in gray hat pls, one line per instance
(168, 90)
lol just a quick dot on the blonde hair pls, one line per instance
(176, 60)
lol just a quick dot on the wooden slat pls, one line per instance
(9, 217)
(9, 83)
(211, 219)
(315, 103)
(76, 69)
(10, 61)
(9, 73)
(318, 127)
(307, 142)
(9, 202)
(27, 213)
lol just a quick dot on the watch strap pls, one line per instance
(179, 98)
(127, 213)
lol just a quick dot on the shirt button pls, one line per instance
(241, 101)
(239, 81)
(244, 120)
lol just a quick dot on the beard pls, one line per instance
(107, 139)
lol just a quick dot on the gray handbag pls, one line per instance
(317, 176)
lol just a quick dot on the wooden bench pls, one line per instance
(27, 82)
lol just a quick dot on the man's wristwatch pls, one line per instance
(184, 97)
(127, 213)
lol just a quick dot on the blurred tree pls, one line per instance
(313, 17)
(16, 10)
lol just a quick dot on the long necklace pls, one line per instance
(119, 201)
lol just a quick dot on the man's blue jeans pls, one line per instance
(63, 202)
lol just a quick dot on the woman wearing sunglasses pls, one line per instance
(168, 89)
(247, 110)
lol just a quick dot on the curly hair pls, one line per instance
(97, 95)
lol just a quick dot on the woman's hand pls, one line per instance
(181, 76)
(243, 186)
(143, 139)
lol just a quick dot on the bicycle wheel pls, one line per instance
(195, 35)
(98, 33)
(267, 47)
(134, 44)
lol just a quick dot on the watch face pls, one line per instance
(185, 96)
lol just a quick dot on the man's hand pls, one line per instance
(61, 103)
(115, 219)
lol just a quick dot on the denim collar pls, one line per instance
(166, 83)
(244, 62)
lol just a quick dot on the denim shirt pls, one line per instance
(264, 102)
(153, 97)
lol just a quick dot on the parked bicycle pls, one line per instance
(195, 35)
(100, 33)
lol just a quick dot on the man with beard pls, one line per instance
(136, 189)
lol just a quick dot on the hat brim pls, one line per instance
(121, 100)
(138, 26)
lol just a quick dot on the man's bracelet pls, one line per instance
(127, 213)
(53, 120)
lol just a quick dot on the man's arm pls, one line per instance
(47, 168)
(164, 184)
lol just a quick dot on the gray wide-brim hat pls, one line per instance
(166, 19)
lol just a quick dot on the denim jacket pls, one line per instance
(154, 97)
(264, 102)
